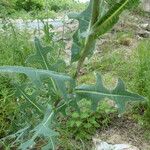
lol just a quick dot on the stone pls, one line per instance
(144, 25)
(148, 27)
(102, 145)
(144, 34)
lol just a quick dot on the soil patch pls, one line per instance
(125, 131)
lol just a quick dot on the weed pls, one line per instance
(31, 9)
(18, 47)
(84, 124)
(48, 92)
(143, 76)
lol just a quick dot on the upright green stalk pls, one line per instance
(90, 40)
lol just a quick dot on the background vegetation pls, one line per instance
(28, 9)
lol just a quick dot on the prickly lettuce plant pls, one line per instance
(61, 90)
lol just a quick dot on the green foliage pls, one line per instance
(6, 7)
(60, 5)
(18, 47)
(63, 5)
(98, 92)
(45, 86)
(83, 125)
(143, 76)
(40, 56)
(112, 2)
(45, 62)
(8, 117)
(28, 5)
(105, 21)
(36, 8)
(42, 130)
(143, 63)
(78, 40)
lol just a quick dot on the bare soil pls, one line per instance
(125, 131)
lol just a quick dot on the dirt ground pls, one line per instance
(125, 131)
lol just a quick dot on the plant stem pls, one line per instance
(95, 12)
(90, 40)
(88, 45)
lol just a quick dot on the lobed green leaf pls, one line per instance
(78, 39)
(36, 75)
(111, 17)
(99, 92)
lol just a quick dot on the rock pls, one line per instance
(144, 25)
(101, 145)
(144, 34)
(148, 27)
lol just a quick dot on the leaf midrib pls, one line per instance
(109, 18)
(103, 94)
(30, 100)
(46, 65)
